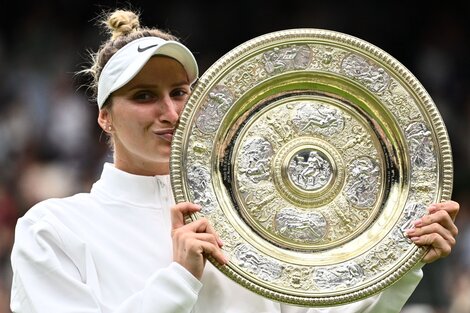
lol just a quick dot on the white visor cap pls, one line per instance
(129, 60)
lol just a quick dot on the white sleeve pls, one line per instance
(391, 300)
(46, 280)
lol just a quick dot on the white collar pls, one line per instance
(148, 191)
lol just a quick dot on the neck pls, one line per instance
(143, 168)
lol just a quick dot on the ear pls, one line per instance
(105, 120)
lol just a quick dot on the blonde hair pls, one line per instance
(123, 27)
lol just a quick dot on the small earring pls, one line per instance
(109, 128)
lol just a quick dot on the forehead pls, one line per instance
(159, 73)
(163, 65)
(160, 70)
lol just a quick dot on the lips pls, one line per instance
(165, 133)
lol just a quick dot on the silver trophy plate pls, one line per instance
(310, 152)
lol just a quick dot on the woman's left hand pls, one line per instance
(436, 230)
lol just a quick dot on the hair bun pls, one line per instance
(121, 23)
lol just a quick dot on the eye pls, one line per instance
(180, 92)
(143, 96)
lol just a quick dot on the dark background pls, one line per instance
(50, 144)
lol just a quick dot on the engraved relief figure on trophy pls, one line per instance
(374, 77)
(255, 159)
(218, 102)
(263, 267)
(299, 226)
(198, 177)
(310, 170)
(362, 186)
(283, 59)
(348, 274)
(318, 118)
(421, 146)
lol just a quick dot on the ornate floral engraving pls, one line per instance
(379, 258)
(358, 137)
(263, 267)
(259, 202)
(374, 77)
(327, 58)
(216, 105)
(341, 276)
(421, 145)
(298, 226)
(200, 146)
(245, 77)
(362, 183)
(317, 118)
(280, 60)
(281, 129)
(401, 104)
(344, 219)
(309, 170)
(230, 237)
(298, 277)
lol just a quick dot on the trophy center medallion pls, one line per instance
(309, 170)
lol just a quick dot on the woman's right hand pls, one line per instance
(193, 241)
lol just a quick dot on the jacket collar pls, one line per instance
(148, 191)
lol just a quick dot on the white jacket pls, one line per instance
(111, 251)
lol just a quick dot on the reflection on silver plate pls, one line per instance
(311, 152)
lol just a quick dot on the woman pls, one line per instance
(120, 248)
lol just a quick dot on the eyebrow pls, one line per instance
(152, 86)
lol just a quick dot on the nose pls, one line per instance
(169, 111)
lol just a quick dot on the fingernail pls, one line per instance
(418, 223)
(432, 208)
(414, 238)
(409, 232)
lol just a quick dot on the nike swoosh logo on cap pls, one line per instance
(139, 49)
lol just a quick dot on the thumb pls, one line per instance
(180, 210)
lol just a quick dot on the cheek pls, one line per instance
(129, 124)
(180, 106)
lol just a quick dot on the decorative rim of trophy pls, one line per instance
(310, 152)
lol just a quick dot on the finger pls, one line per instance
(214, 251)
(450, 207)
(213, 239)
(211, 230)
(179, 210)
(203, 226)
(198, 243)
(207, 237)
(441, 218)
(439, 247)
(433, 229)
(198, 226)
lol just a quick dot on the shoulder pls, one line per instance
(58, 209)
(54, 221)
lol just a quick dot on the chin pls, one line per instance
(164, 157)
